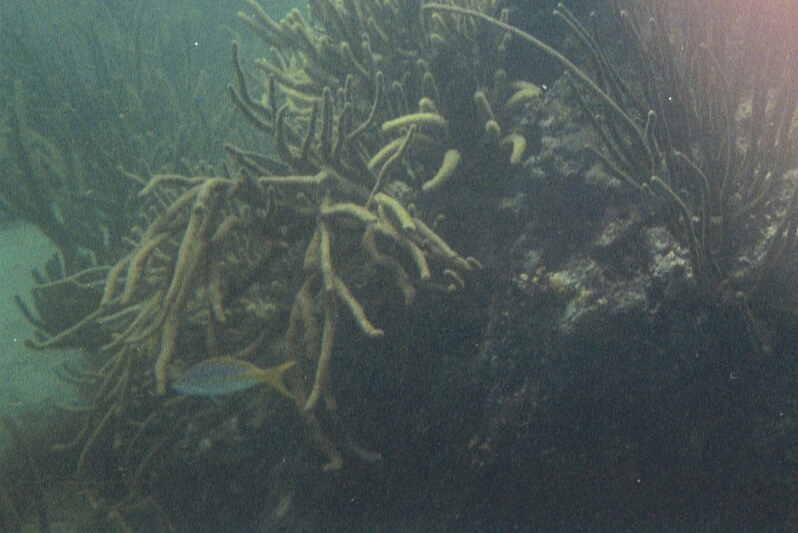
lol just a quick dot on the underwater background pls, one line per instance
(398, 266)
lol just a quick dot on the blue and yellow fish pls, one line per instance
(220, 376)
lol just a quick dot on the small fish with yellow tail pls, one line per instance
(221, 376)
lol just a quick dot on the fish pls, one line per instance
(220, 376)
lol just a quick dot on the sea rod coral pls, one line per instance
(370, 126)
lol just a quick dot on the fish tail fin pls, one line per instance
(274, 377)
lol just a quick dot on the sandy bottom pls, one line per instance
(28, 379)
